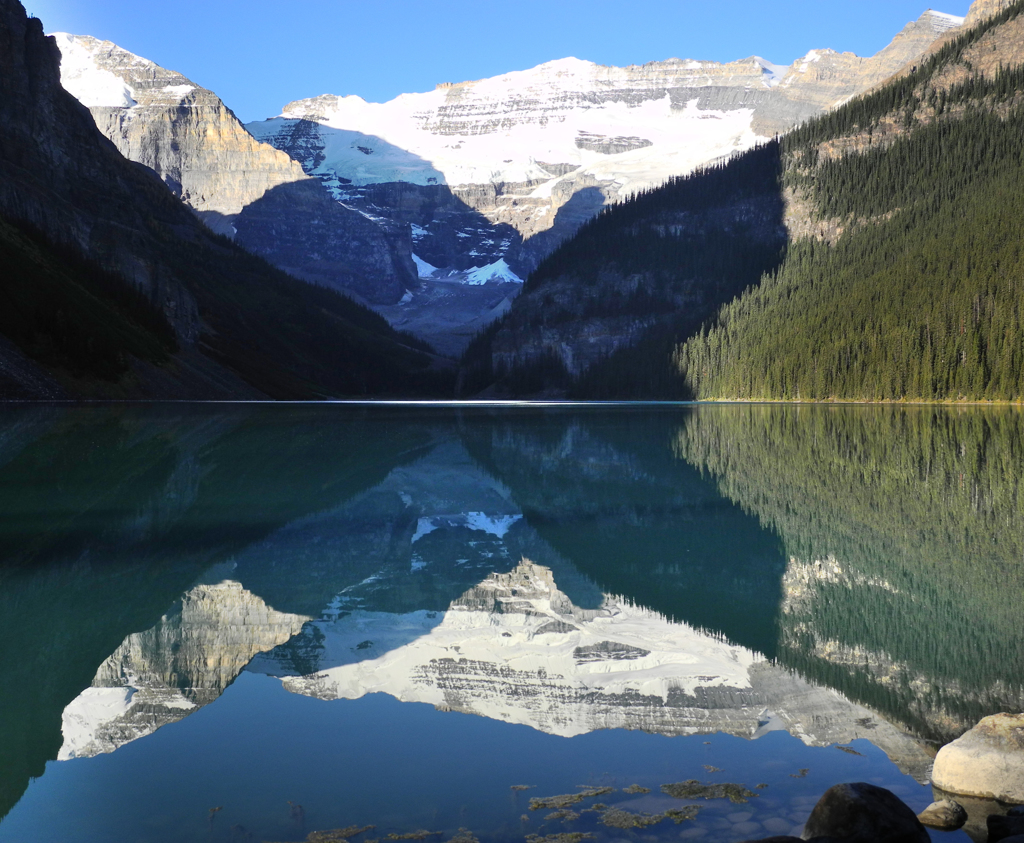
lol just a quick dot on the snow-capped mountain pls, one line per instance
(239, 187)
(445, 200)
(536, 152)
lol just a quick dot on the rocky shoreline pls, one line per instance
(978, 781)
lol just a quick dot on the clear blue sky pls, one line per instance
(258, 55)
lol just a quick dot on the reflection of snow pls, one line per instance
(87, 712)
(495, 525)
(515, 648)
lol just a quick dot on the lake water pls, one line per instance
(265, 622)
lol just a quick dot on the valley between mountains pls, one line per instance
(842, 228)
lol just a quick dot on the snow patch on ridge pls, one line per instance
(423, 269)
(497, 271)
(86, 81)
(496, 525)
(179, 90)
(946, 20)
(773, 73)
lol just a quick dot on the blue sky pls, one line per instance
(259, 55)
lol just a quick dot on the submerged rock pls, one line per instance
(693, 789)
(859, 812)
(946, 815)
(987, 762)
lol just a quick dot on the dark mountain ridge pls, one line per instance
(72, 209)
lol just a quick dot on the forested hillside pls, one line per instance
(920, 295)
(898, 273)
(646, 271)
(878, 594)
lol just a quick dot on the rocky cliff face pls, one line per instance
(193, 141)
(982, 9)
(161, 675)
(178, 129)
(59, 174)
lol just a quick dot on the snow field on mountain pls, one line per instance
(400, 147)
(512, 128)
(89, 84)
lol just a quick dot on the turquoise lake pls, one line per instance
(298, 622)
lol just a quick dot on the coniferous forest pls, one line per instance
(900, 277)
(919, 298)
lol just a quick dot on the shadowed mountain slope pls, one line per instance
(75, 210)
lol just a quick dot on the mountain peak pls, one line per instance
(941, 20)
(90, 84)
(983, 9)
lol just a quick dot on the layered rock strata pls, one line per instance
(539, 151)
(515, 648)
(161, 675)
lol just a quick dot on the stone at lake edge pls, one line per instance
(988, 761)
(859, 812)
(946, 815)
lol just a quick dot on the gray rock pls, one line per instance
(982, 9)
(987, 762)
(859, 811)
(946, 815)
(1004, 827)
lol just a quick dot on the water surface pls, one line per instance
(259, 622)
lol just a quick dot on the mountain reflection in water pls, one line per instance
(838, 573)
